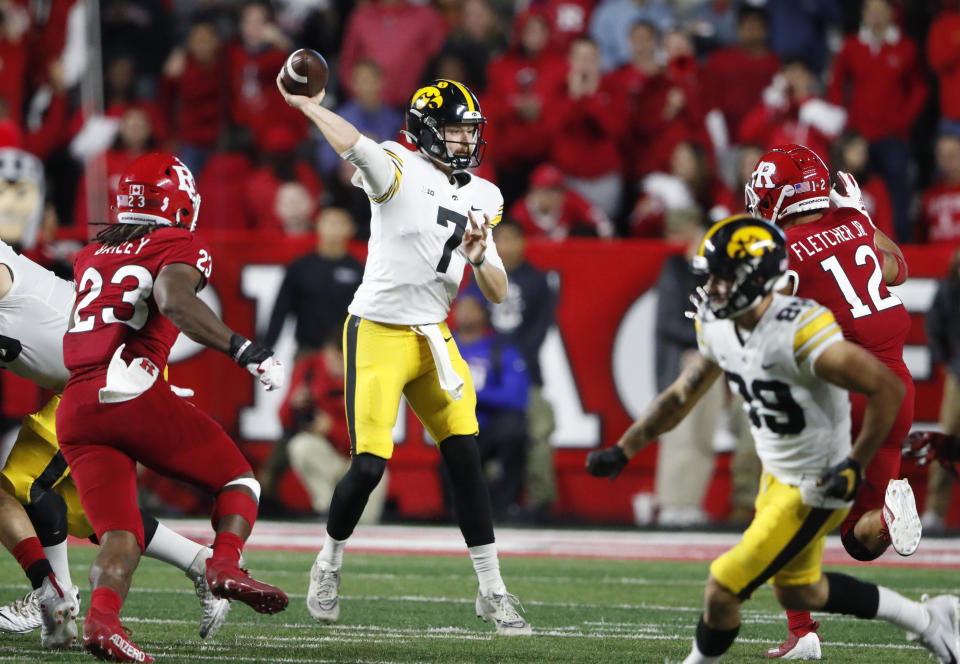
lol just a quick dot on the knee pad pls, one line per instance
(856, 549)
(48, 514)
(366, 470)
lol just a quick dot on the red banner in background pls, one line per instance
(598, 363)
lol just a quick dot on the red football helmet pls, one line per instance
(789, 179)
(158, 188)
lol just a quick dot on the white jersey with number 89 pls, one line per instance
(800, 422)
(418, 218)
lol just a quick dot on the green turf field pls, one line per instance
(420, 609)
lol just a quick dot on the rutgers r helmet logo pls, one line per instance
(186, 180)
(763, 176)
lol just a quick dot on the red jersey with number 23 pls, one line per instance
(115, 302)
(836, 262)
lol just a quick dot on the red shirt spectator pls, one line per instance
(264, 182)
(520, 85)
(878, 79)
(940, 209)
(192, 90)
(255, 59)
(569, 19)
(551, 210)
(134, 138)
(734, 78)
(791, 113)
(588, 119)
(664, 102)
(400, 37)
(943, 53)
(316, 390)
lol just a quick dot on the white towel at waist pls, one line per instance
(127, 381)
(450, 380)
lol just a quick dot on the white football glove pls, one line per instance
(269, 372)
(846, 194)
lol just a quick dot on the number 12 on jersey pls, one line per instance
(857, 308)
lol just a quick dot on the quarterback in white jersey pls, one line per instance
(429, 217)
(39, 503)
(787, 357)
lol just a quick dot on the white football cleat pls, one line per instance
(942, 635)
(214, 610)
(901, 518)
(806, 647)
(59, 610)
(21, 616)
(323, 596)
(501, 609)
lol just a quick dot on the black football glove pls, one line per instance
(843, 480)
(607, 463)
(247, 352)
(10, 349)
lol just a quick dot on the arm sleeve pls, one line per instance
(378, 169)
(816, 331)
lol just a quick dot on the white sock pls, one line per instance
(332, 552)
(697, 657)
(57, 555)
(169, 547)
(902, 612)
(487, 567)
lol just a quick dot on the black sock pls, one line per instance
(851, 596)
(714, 642)
(471, 499)
(351, 494)
(38, 571)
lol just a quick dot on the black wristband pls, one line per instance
(245, 352)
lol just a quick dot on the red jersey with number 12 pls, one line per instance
(837, 263)
(115, 302)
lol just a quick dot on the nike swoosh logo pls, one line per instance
(768, 366)
(476, 209)
(447, 338)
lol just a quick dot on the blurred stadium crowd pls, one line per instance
(605, 118)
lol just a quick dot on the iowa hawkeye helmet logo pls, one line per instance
(750, 241)
(428, 97)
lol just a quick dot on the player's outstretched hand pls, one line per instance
(843, 480)
(475, 237)
(607, 463)
(270, 373)
(299, 101)
(258, 360)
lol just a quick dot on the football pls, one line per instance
(305, 73)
